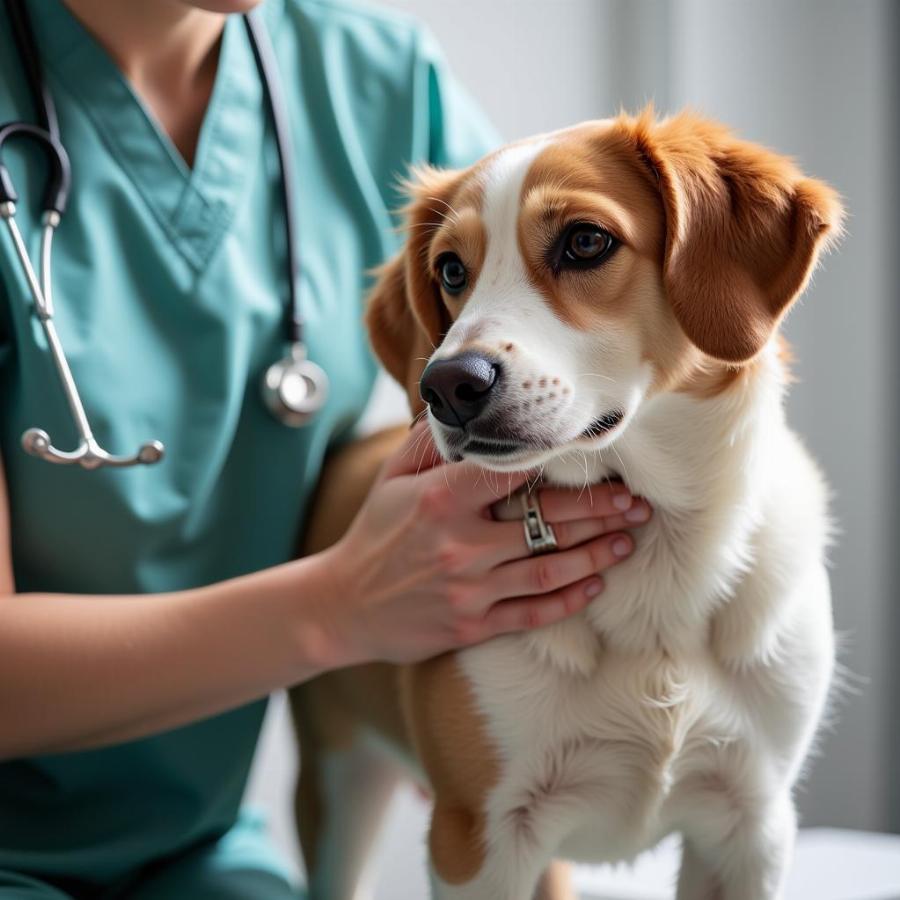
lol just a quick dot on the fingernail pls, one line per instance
(621, 546)
(640, 512)
(593, 587)
(622, 501)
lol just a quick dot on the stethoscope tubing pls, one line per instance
(264, 54)
(59, 177)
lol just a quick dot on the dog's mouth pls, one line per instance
(509, 449)
(604, 424)
(503, 450)
(483, 447)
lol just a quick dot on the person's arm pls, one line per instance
(422, 569)
(79, 671)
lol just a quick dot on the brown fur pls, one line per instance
(452, 746)
(586, 177)
(743, 228)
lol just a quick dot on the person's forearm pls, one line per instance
(84, 671)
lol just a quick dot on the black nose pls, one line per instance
(458, 389)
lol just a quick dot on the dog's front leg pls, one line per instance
(697, 880)
(745, 857)
(466, 867)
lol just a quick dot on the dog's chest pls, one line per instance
(610, 753)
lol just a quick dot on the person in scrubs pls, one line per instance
(146, 613)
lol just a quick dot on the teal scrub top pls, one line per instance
(170, 289)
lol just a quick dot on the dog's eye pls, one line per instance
(586, 245)
(452, 273)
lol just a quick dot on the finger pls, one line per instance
(526, 613)
(503, 542)
(477, 487)
(416, 454)
(553, 571)
(567, 504)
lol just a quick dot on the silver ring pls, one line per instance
(539, 535)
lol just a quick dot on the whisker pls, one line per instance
(586, 486)
(421, 459)
(595, 375)
(451, 218)
(420, 445)
(453, 211)
(619, 455)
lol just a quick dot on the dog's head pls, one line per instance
(545, 293)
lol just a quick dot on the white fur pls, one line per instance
(686, 697)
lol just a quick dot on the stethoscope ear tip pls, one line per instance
(36, 442)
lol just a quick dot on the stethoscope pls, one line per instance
(294, 388)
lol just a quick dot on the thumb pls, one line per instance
(416, 454)
(481, 487)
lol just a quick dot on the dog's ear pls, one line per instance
(743, 230)
(398, 339)
(406, 316)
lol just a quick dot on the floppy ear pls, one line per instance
(743, 231)
(406, 316)
(398, 339)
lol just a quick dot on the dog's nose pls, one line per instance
(458, 389)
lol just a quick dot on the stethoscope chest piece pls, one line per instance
(295, 388)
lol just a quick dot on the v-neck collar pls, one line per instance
(193, 206)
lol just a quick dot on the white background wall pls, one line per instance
(812, 78)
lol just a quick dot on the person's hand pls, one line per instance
(425, 568)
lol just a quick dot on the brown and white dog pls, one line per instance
(602, 301)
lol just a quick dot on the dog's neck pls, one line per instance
(701, 462)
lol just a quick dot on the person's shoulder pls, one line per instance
(367, 26)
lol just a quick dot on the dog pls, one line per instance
(601, 302)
